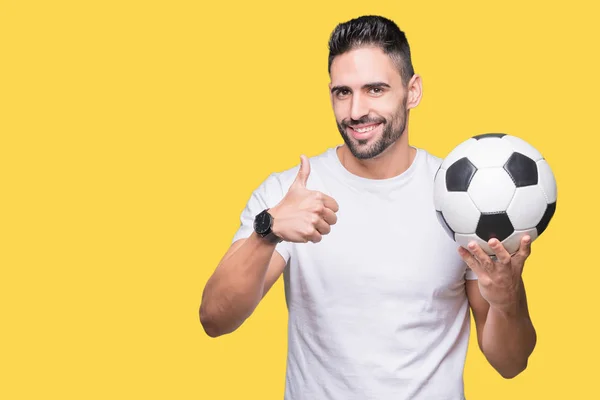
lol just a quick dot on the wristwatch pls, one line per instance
(263, 225)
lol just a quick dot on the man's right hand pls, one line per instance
(303, 215)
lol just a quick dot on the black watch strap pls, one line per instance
(273, 238)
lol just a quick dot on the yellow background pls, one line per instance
(132, 133)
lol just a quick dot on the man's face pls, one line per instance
(369, 100)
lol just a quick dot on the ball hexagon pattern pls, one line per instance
(494, 185)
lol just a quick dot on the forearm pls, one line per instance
(235, 289)
(509, 337)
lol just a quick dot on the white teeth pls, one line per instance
(363, 130)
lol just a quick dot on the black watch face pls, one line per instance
(262, 223)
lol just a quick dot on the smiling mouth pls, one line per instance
(364, 131)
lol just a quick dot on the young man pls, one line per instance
(377, 293)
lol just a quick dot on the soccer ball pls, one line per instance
(494, 185)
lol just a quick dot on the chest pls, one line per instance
(383, 250)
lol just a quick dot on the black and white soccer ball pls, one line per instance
(494, 185)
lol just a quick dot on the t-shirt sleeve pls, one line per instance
(268, 194)
(470, 275)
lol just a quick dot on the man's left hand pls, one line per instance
(500, 276)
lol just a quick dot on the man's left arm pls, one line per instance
(505, 333)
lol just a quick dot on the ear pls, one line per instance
(415, 91)
(330, 94)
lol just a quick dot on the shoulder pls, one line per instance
(432, 162)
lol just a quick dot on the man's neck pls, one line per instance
(392, 162)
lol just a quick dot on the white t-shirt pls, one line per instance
(377, 309)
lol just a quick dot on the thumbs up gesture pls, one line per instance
(303, 215)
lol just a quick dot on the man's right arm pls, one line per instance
(251, 265)
(245, 274)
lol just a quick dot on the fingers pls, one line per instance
(321, 220)
(329, 216)
(322, 226)
(303, 171)
(325, 201)
(471, 261)
(524, 249)
(330, 202)
(323, 207)
(481, 256)
(318, 209)
(315, 236)
(502, 255)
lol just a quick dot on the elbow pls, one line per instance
(211, 330)
(217, 319)
(509, 375)
(513, 372)
(208, 324)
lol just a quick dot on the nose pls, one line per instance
(359, 107)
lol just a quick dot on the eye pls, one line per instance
(342, 93)
(376, 90)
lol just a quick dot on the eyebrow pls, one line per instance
(365, 86)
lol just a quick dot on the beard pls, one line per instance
(392, 131)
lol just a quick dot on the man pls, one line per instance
(378, 296)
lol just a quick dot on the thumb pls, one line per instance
(303, 172)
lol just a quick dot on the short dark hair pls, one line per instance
(373, 30)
